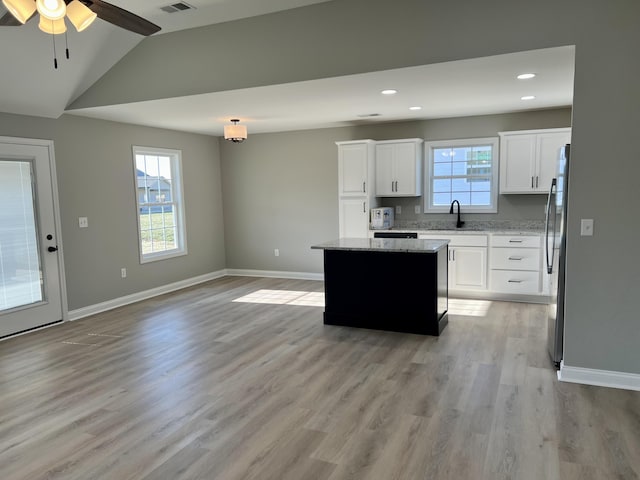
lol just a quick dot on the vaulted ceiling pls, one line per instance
(30, 85)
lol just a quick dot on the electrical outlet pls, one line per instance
(416, 209)
(276, 252)
(83, 222)
(398, 210)
(123, 272)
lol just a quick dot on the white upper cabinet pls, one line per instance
(528, 159)
(399, 168)
(355, 163)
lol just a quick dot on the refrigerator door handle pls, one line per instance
(546, 228)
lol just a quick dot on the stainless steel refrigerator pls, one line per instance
(555, 249)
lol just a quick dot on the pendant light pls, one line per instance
(235, 133)
(52, 27)
(22, 10)
(80, 15)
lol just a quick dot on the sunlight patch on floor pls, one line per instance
(471, 308)
(284, 297)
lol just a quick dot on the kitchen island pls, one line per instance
(386, 284)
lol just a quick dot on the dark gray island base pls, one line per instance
(386, 284)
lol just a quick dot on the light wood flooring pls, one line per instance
(192, 385)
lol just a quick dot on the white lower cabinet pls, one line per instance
(354, 217)
(467, 261)
(515, 264)
(468, 268)
(495, 265)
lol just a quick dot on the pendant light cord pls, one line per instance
(66, 44)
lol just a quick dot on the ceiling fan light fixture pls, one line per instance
(235, 133)
(51, 9)
(20, 9)
(80, 15)
(52, 27)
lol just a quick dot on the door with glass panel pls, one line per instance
(30, 282)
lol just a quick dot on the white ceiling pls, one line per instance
(470, 87)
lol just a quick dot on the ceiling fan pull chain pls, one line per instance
(66, 44)
(53, 39)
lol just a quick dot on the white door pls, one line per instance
(30, 280)
(352, 162)
(548, 152)
(405, 168)
(469, 268)
(384, 170)
(517, 163)
(354, 218)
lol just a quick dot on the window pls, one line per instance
(161, 232)
(463, 170)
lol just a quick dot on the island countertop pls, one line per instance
(384, 245)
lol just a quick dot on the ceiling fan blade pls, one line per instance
(122, 18)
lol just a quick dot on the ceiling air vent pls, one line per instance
(177, 7)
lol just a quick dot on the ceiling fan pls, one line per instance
(21, 11)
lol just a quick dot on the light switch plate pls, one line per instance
(586, 227)
(398, 210)
(416, 209)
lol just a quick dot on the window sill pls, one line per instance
(154, 257)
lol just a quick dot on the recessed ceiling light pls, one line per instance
(389, 91)
(527, 97)
(415, 108)
(525, 76)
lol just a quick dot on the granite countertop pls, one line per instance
(522, 227)
(384, 245)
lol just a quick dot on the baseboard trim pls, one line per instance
(276, 274)
(600, 378)
(144, 295)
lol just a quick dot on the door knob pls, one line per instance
(52, 249)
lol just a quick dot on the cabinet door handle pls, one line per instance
(537, 181)
(515, 281)
(516, 258)
(364, 187)
(364, 207)
(532, 181)
(515, 241)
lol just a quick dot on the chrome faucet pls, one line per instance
(459, 223)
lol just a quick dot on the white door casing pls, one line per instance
(38, 157)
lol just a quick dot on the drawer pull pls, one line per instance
(515, 241)
(515, 281)
(516, 258)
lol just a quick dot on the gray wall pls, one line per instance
(281, 190)
(95, 180)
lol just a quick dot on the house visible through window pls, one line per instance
(159, 203)
(463, 170)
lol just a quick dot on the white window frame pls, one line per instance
(466, 142)
(177, 201)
